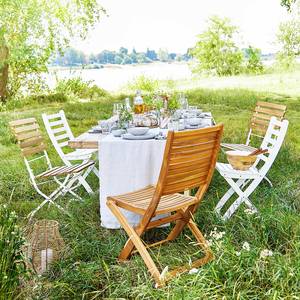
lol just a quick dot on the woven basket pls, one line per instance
(240, 160)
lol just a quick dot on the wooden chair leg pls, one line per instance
(128, 247)
(134, 237)
(199, 262)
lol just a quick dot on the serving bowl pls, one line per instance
(118, 132)
(240, 160)
(194, 121)
(138, 130)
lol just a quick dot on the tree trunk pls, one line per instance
(3, 72)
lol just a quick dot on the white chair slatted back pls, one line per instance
(58, 130)
(272, 141)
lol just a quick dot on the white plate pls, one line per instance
(148, 136)
(195, 127)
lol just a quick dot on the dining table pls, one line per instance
(124, 166)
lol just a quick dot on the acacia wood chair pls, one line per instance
(33, 149)
(189, 162)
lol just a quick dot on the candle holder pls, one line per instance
(46, 245)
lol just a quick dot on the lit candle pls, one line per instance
(46, 258)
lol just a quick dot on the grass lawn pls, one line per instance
(89, 269)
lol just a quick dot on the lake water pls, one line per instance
(115, 77)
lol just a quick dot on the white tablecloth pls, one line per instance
(126, 166)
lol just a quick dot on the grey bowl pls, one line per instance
(138, 130)
(118, 132)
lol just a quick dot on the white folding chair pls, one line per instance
(258, 126)
(60, 133)
(243, 183)
(33, 150)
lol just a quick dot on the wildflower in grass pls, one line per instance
(265, 253)
(193, 271)
(216, 235)
(237, 253)
(209, 242)
(249, 211)
(246, 246)
(164, 273)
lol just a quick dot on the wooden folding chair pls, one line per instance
(33, 149)
(189, 162)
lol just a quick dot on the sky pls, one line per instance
(174, 24)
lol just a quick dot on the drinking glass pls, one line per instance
(105, 127)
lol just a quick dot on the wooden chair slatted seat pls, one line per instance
(189, 162)
(31, 142)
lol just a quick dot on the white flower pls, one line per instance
(265, 253)
(249, 211)
(246, 246)
(164, 273)
(237, 253)
(5, 277)
(209, 243)
(193, 271)
(217, 235)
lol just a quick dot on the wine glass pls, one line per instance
(183, 102)
(117, 109)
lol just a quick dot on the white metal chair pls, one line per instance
(33, 150)
(258, 126)
(259, 123)
(60, 133)
(243, 183)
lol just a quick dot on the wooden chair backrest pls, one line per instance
(189, 159)
(262, 114)
(28, 135)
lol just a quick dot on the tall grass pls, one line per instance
(89, 269)
(12, 263)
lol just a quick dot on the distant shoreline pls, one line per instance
(113, 66)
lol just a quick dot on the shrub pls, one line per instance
(253, 57)
(56, 97)
(12, 264)
(78, 87)
(143, 83)
(216, 51)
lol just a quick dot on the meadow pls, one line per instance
(89, 269)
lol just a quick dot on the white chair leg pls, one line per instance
(96, 171)
(85, 185)
(232, 208)
(269, 181)
(229, 194)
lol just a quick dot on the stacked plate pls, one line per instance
(138, 133)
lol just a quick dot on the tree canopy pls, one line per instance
(32, 30)
(216, 50)
(288, 38)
